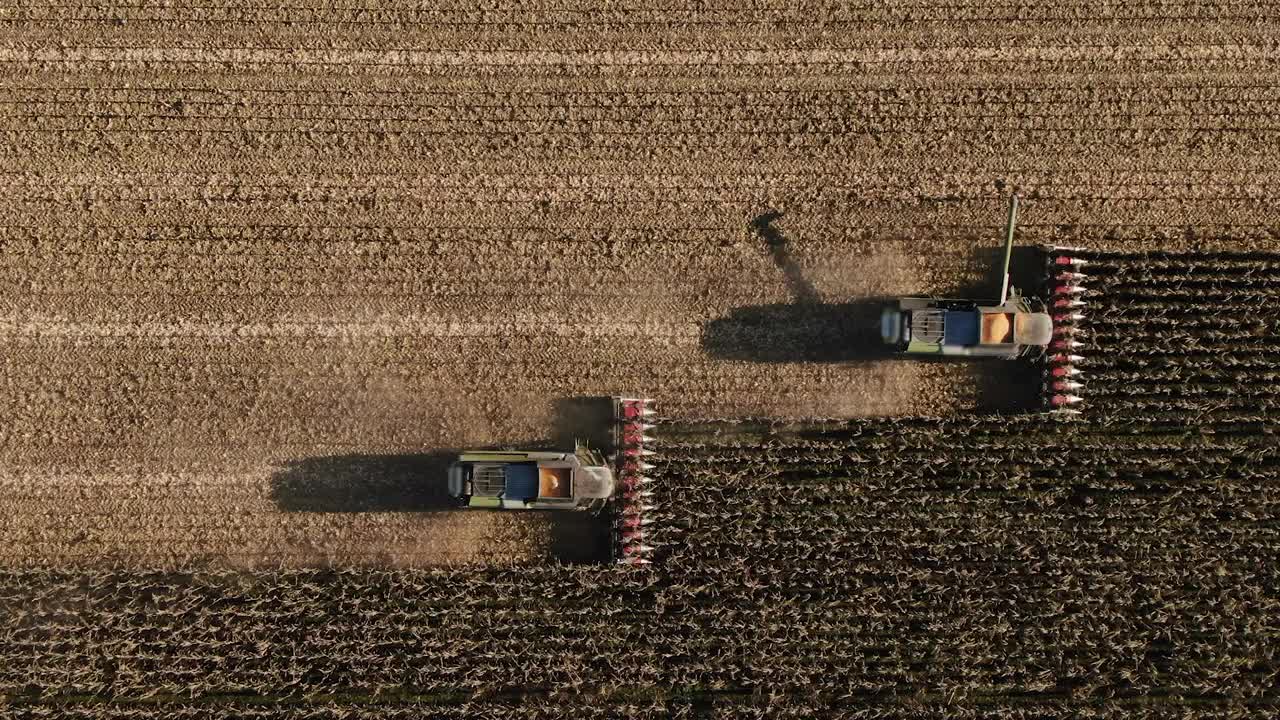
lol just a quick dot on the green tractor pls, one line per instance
(578, 480)
(1007, 328)
(531, 479)
(1010, 327)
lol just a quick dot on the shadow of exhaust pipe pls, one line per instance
(803, 330)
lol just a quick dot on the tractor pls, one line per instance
(1007, 328)
(1012, 326)
(578, 480)
(532, 479)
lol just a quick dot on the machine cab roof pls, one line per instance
(995, 326)
(528, 480)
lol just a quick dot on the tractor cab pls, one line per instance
(580, 480)
(1008, 327)
(530, 480)
(960, 327)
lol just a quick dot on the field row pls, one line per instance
(565, 120)
(428, 192)
(539, 14)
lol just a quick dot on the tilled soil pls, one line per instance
(241, 239)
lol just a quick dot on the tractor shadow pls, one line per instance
(799, 332)
(581, 538)
(803, 330)
(809, 330)
(583, 419)
(1026, 273)
(365, 483)
(1007, 386)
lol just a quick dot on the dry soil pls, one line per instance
(239, 239)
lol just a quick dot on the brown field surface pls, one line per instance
(236, 238)
(264, 266)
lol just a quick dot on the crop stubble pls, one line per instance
(236, 236)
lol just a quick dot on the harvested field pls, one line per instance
(263, 266)
(220, 258)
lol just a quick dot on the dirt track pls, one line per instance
(239, 237)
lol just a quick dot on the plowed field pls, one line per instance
(1117, 565)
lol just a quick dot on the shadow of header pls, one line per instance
(799, 332)
(365, 483)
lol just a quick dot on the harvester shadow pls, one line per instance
(1007, 386)
(583, 419)
(365, 483)
(1026, 272)
(799, 332)
(580, 538)
(803, 330)
(417, 482)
